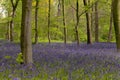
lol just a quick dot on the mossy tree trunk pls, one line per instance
(64, 24)
(49, 12)
(116, 19)
(77, 23)
(111, 25)
(96, 23)
(36, 21)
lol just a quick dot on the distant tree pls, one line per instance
(8, 28)
(36, 21)
(49, 12)
(96, 23)
(89, 40)
(116, 19)
(92, 18)
(111, 23)
(59, 8)
(64, 24)
(14, 7)
(77, 22)
(26, 43)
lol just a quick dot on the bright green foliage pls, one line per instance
(7, 57)
(61, 74)
(19, 58)
(56, 27)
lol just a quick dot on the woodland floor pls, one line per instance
(56, 61)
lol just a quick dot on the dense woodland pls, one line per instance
(59, 39)
(62, 21)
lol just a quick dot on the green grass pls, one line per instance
(46, 41)
(63, 74)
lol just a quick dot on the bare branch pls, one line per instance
(73, 7)
(87, 9)
(12, 3)
(16, 3)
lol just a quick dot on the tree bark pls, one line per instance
(92, 20)
(96, 23)
(26, 43)
(110, 28)
(77, 22)
(11, 26)
(49, 11)
(116, 19)
(14, 7)
(89, 40)
(8, 28)
(65, 29)
(59, 8)
(36, 21)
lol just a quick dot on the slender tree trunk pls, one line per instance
(65, 29)
(59, 8)
(89, 40)
(8, 29)
(26, 43)
(36, 21)
(77, 22)
(14, 7)
(110, 28)
(49, 11)
(11, 26)
(96, 23)
(58, 12)
(116, 19)
(92, 21)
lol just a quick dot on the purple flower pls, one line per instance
(16, 79)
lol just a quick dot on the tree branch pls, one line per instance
(16, 3)
(73, 7)
(88, 8)
(12, 3)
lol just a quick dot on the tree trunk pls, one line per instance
(49, 11)
(89, 40)
(58, 12)
(92, 21)
(14, 7)
(59, 8)
(96, 23)
(110, 28)
(65, 29)
(36, 21)
(8, 27)
(116, 19)
(77, 22)
(26, 43)
(11, 26)
(8, 31)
